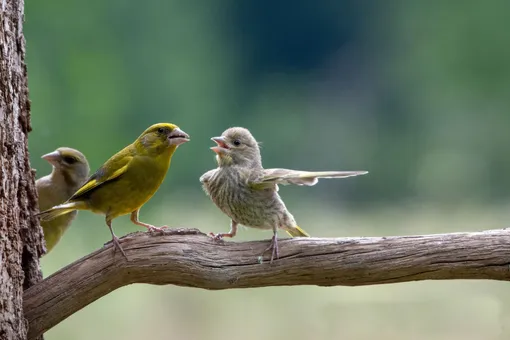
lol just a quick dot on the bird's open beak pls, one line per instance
(53, 157)
(222, 145)
(178, 137)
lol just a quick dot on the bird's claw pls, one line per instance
(216, 237)
(116, 245)
(152, 229)
(274, 249)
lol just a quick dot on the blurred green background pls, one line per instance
(416, 92)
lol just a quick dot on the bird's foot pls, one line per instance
(273, 248)
(219, 236)
(116, 244)
(151, 228)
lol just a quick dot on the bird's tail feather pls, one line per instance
(61, 209)
(297, 232)
(334, 174)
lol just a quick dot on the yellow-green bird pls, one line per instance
(248, 193)
(70, 171)
(127, 180)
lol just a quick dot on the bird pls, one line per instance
(126, 181)
(247, 193)
(70, 170)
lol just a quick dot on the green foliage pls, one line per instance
(417, 95)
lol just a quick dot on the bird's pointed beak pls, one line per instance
(53, 157)
(178, 137)
(221, 146)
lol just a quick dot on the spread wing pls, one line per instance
(271, 177)
(112, 169)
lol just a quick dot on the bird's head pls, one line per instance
(71, 163)
(237, 146)
(160, 137)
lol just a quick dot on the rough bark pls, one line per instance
(20, 234)
(189, 258)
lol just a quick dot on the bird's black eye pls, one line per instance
(237, 142)
(161, 130)
(69, 160)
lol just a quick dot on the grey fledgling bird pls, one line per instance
(248, 193)
(70, 171)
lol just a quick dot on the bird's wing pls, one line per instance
(112, 169)
(270, 177)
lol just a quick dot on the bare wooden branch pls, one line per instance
(187, 257)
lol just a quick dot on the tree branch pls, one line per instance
(187, 257)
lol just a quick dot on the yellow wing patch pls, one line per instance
(99, 178)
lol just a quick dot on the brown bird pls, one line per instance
(70, 170)
(248, 193)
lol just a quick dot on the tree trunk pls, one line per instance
(20, 234)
